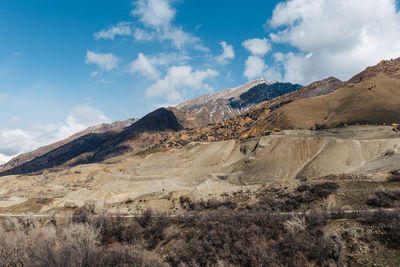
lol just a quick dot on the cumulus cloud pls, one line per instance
(4, 158)
(156, 17)
(142, 35)
(257, 47)
(143, 66)
(337, 38)
(178, 79)
(106, 62)
(255, 66)
(122, 29)
(17, 141)
(154, 13)
(227, 54)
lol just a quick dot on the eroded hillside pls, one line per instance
(209, 169)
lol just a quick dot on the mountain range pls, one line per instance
(108, 140)
(251, 110)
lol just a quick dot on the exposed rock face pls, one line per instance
(222, 95)
(214, 108)
(261, 93)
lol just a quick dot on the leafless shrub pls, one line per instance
(75, 244)
(394, 176)
(295, 225)
(384, 198)
(210, 204)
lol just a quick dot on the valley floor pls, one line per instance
(358, 158)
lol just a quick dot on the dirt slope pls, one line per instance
(205, 169)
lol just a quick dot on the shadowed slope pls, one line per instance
(97, 147)
(210, 109)
(117, 126)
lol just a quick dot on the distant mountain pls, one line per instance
(98, 129)
(95, 147)
(209, 109)
(102, 142)
(250, 122)
(221, 95)
(261, 93)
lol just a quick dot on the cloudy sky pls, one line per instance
(69, 64)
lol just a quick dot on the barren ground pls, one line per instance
(358, 158)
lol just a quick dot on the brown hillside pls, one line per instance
(96, 147)
(246, 125)
(371, 97)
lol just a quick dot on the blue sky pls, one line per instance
(66, 65)
(44, 45)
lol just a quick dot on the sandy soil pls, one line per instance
(202, 170)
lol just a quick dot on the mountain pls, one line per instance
(371, 97)
(98, 129)
(209, 109)
(223, 94)
(248, 124)
(95, 147)
(105, 141)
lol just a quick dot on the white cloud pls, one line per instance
(143, 66)
(338, 38)
(3, 96)
(167, 59)
(254, 67)
(178, 79)
(5, 159)
(106, 62)
(176, 36)
(80, 118)
(142, 35)
(156, 17)
(154, 13)
(181, 39)
(16, 141)
(123, 29)
(227, 54)
(258, 47)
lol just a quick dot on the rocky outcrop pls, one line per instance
(210, 109)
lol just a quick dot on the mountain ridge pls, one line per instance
(369, 97)
(97, 129)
